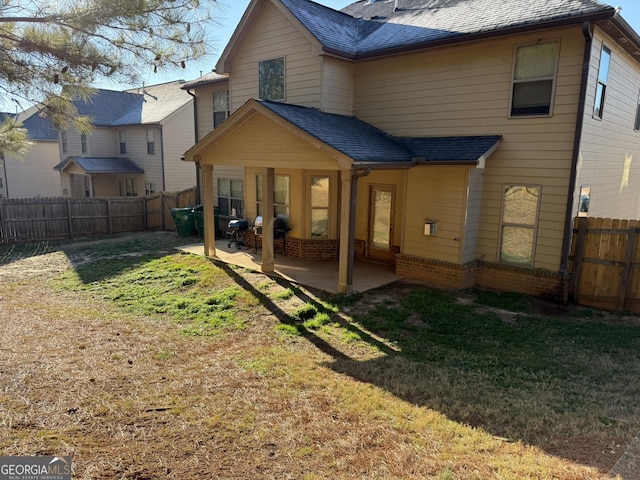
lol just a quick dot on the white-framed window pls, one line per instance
(87, 186)
(149, 188)
(320, 195)
(281, 195)
(83, 143)
(122, 136)
(230, 197)
(519, 223)
(220, 107)
(603, 77)
(1, 183)
(271, 79)
(151, 141)
(127, 187)
(63, 140)
(534, 76)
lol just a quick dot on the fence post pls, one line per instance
(581, 242)
(70, 219)
(145, 220)
(626, 270)
(109, 216)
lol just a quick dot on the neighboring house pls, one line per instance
(32, 175)
(454, 140)
(135, 147)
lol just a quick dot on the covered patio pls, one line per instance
(316, 273)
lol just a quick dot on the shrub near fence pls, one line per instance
(57, 218)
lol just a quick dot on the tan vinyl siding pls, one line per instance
(205, 108)
(610, 147)
(137, 152)
(435, 193)
(464, 90)
(263, 143)
(33, 175)
(337, 86)
(274, 36)
(474, 202)
(177, 137)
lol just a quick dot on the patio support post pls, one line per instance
(209, 227)
(347, 231)
(268, 175)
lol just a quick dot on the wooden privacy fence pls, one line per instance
(606, 264)
(57, 218)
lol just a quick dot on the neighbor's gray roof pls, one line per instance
(363, 29)
(363, 142)
(38, 127)
(146, 105)
(102, 164)
(210, 78)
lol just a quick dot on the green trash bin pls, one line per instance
(198, 217)
(184, 220)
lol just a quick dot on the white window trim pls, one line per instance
(227, 111)
(595, 116)
(554, 79)
(260, 202)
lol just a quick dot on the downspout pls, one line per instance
(164, 183)
(195, 127)
(356, 174)
(577, 142)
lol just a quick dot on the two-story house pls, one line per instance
(32, 175)
(455, 140)
(135, 148)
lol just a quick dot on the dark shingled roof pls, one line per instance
(211, 78)
(102, 164)
(363, 142)
(40, 128)
(364, 28)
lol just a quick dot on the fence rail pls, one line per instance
(606, 264)
(58, 218)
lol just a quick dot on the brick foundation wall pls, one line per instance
(539, 283)
(298, 247)
(535, 282)
(435, 272)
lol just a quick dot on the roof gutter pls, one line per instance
(608, 14)
(577, 141)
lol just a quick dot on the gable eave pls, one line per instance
(245, 113)
(248, 20)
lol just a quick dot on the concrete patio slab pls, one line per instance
(319, 274)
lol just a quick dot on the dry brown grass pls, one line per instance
(128, 397)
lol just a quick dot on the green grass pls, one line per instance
(542, 380)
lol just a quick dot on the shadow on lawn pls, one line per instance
(567, 385)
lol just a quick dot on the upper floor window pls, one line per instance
(220, 107)
(534, 74)
(603, 77)
(63, 138)
(151, 142)
(271, 79)
(520, 208)
(123, 141)
(83, 143)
